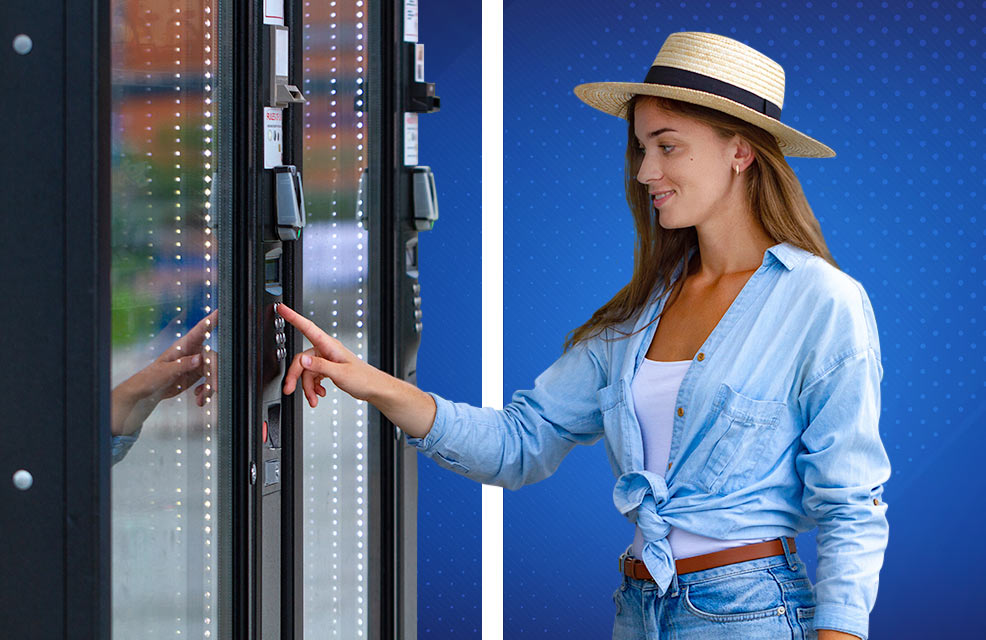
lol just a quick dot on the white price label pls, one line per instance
(410, 20)
(274, 12)
(410, 138)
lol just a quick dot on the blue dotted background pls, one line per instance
(894, 89)
(449, 362)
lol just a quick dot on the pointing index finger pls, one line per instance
(303, 324)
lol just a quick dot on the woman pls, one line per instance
(736, 378)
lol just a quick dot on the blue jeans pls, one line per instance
(769, 598)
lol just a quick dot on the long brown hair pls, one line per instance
(773, 191)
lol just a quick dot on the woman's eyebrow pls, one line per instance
(654, 134)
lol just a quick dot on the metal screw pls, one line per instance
(23, 479)
(23, 44)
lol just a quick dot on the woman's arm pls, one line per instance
(404, 404)
(843, 465)
(520, 444)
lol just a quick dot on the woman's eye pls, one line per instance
(666, 147)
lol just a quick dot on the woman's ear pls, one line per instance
(742, 152)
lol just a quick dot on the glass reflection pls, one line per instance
(334, 297)
(164, 319)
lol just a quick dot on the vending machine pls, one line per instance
(193, 165)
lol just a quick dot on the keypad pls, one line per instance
(279, 338)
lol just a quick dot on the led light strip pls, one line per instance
(492, 384)
(208, 112)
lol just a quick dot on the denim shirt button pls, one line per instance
(700, 357)
(681, 411)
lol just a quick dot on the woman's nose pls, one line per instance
(649, 170)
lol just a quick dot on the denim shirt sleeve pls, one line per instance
(843, 465)
(121, 446)
(526, 440)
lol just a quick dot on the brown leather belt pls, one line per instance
(636, 568)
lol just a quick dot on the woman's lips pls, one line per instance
(661, 200)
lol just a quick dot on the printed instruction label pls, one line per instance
(273, 137)
(419, 62)
(410, 138)
(274, 12)
(410, 20)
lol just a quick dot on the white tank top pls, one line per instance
(655, 390)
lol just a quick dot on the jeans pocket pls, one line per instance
(735, 598)
(617, 599)
(806, 620)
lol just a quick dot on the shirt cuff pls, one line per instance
(121, 446)
(840, 617)
(443, 418)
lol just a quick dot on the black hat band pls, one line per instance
(690, 80)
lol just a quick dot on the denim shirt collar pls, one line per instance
(784, 253)
(787, 254)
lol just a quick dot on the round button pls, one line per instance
(23, 44)
(23, 479)
(681, 411)
(876, 501)
(781, 610)
(700, 357)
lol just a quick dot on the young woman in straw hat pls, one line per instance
(735, 378)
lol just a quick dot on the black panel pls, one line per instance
(386, 163)
(245, 359)
(55, 335)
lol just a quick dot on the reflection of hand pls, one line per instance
(172, 372)
(210, 368)
(327, 359)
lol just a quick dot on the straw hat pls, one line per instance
(712, 71)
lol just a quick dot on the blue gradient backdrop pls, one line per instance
(897, 90)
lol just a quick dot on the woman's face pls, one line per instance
(687, 168)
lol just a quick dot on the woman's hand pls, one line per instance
(184, 362)
(327, 358)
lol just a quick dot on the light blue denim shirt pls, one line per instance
(776, 429)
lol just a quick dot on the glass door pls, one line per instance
(335, 140)
(171, 435)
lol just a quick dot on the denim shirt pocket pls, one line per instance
(740, 429)
(612, 406)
